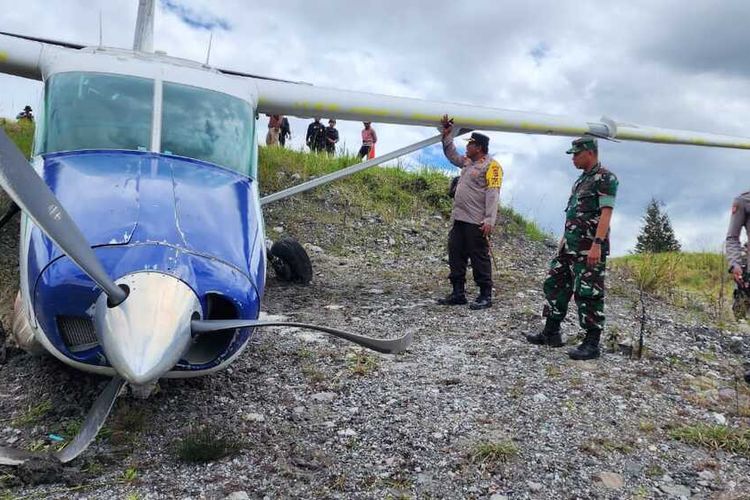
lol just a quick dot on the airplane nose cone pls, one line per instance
(147, 334)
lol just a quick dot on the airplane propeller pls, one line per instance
(29, 191)
(387, 346)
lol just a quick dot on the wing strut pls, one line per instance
(344, 172)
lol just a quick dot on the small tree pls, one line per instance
(656, 235)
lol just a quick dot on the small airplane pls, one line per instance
(143, 254)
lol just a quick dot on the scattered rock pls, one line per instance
(237, 495)
(611, 480)
(675, 490)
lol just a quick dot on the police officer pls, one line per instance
(474, 213)
(578, 269)
(740, 218)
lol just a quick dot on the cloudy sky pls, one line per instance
(668, 63)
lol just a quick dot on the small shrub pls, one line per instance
(206, 444)
(493, 453)
(714, 437)
(362, 364)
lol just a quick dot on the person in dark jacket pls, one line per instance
(316, 136)
(332, 137)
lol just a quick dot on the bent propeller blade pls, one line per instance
(387, 346)
(90, 428)
(30, 192)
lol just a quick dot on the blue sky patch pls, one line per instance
(202, 21)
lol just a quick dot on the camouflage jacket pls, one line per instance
(592, 191)
(740, 218)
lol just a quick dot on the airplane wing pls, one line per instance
(23, 56)
(278, 97)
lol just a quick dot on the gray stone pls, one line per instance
(707, 475)
(536, 487)
(675, 490)
(324, 396)
(611, 480)
(237, 495)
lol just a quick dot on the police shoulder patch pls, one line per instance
(494, 175)
(735, 207)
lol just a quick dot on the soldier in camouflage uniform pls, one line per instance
(738, 264)
(579, 267)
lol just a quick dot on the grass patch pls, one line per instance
(714, 437)
(697, 281)
(206, 444)
(21, 133)
(493, 452)
(33, 414)
(362, 364)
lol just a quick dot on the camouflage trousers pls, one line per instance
(568, 275)
(741, 299)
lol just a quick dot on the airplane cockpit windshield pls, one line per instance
(98, 111)
(207, 125)
(105, 111)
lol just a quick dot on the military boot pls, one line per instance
(589, 348)
(484, 300)
(456, 298)
(550, 336)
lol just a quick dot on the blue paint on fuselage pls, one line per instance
(150, 212)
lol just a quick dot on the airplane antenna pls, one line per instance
(144, 27)
(208, 54)
(100, 27)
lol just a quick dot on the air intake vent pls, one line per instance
(78, 333)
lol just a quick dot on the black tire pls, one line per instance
(291, 262)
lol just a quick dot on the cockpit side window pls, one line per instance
(97, 111)
(207, 125)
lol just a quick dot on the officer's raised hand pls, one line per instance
(447, 124)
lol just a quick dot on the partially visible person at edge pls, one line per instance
(332, 137)
(285, 132)
(579, 267)
(25, 114)
(474, 213)
(369, 138)
(738, 266)
(274, 130)
(316, 135)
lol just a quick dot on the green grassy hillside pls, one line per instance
(698, 280)
(20, 132)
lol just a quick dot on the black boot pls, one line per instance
(589, 348)
(456, 298)
(484, 300)
(549, 336)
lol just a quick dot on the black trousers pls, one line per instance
(465, 241)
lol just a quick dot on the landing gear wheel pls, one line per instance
(290, 261)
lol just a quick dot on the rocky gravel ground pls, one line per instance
(469, 411)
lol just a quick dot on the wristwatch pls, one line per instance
(598, 241)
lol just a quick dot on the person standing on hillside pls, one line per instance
(474, 213)
(285, 132)
(316, 135)
(369, 138)
(738, 266)
(332, 137)
(25, 114)
(579, 267)
(274, 129)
